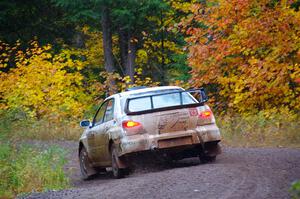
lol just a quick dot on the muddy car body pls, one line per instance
(161, 119)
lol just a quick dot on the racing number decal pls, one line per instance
(170, 122)
(193, 111)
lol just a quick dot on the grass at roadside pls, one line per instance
(25, 169)
(18, 126)
(252, 130)
(259, 130)
(295, 190)
(46, 130)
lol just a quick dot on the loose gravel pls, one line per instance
(237, 173)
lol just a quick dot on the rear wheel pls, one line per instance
(116, 170)
(209, 152)
(206, 159)
(86, 169)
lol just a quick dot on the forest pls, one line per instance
(60, 58)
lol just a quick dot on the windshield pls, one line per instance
(160, 100)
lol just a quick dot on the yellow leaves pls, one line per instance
(182, 6)
(127, 79)
(238, 99)
(141, 57)
(253, 61)
(139, 81)
(123, 83)
(41, 85)
(139, 71)
(182, 84)
(47, 47)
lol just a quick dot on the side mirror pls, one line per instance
(85, 123)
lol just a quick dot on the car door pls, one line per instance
(97, 137)
(108, 122)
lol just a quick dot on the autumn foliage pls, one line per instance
(42, 83)
(247, 53)
(45, 84)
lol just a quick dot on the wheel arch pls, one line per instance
(110, 143)
(81, 145)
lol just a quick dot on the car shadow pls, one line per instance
(140, 165)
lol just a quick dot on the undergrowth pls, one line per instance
(24, 169)
(18, 126)
(295, 190)
(260, 130)
(265, 128)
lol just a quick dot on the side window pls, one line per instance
(99, 116)
(109, 113)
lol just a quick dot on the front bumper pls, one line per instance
(144, 142)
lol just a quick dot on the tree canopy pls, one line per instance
(247, 51)
(244, 52)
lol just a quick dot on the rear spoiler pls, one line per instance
(198, 102)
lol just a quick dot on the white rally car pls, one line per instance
(164, 119)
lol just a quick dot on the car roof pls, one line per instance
(145, 90)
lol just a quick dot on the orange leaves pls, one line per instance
(248, 51)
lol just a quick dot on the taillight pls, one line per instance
(130, 124)
(205, 114)
(132, 127)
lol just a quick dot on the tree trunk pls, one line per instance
(162, 49)
(131, 58)
(78, 40)
(123, 45)
(107, 40)
(107, 48)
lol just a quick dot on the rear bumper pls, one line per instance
(144, 142)
(208, 133)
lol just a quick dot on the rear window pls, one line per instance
(160, 101)
(140, 104)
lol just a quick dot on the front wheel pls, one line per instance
(86, 169)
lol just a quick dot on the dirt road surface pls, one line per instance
(237, 173)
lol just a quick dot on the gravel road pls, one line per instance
(237, 173)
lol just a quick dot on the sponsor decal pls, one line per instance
(193, 111)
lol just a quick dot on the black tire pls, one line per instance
(117, 172)
(86, 170)
(168, 160)
(206, 159)
(100, 170)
